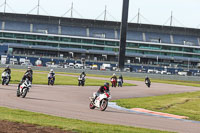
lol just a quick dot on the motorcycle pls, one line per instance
(119, 81)
(113, 82)
(100, 102)
(81, 81)
(23, 88)
(148, 83)
(51, 80)
(5, 78)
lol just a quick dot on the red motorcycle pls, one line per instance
(113, 82)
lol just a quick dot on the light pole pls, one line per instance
(123, 32)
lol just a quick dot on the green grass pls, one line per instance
(185, 104)
(66, 80)
(40, 77)
(67, 124)
(165, 81)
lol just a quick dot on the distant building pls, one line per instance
(94, 39)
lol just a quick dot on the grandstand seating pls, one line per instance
(74, 31)
(189, 40)
(154, 37)
(134, 36)
(17, 26)
(102, 33)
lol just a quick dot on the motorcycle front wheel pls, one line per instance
(24, 92)
(3, 81)
(92, 105)
(18, 93)
(104, 104)
(83, 83)
(7, 81)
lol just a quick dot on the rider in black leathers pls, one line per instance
(82, 75)
(29, 70)
(8, 70)
(26, 76)
(147, 80)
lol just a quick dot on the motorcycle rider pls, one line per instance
(29, 70)
(102, 90)
(147, 80)
(51, 74)
(28, 76)
(82, 75)
(8, 70)
(121, 79)
(114, 78)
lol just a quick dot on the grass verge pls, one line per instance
(67, 124)
(185, 104)
(175, 82)
(41, 78)
(90, 82)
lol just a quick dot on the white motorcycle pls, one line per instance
(100, 102)
(23, 88)
(5, 78)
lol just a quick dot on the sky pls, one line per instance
(185, 12)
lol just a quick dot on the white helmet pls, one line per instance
(29, 68)
(51, 70)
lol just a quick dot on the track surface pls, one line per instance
(73, 102)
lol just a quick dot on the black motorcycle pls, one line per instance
(81, 81)
(51, 80)
(148, 83)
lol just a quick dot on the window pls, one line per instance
(109, 43)
(76, 40)
(87, 41)
(99, 42)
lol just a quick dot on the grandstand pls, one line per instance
(48, 36)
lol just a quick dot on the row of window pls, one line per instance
(95, 42)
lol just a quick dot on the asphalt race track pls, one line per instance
(73, 102)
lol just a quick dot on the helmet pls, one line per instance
(106, 84)
(146, 77)
(114, 74)
(7, 66)
(51, 70)
(83, 72)
(29, 68)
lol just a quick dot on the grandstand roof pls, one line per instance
(97, 23)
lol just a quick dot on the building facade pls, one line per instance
(46, 36)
